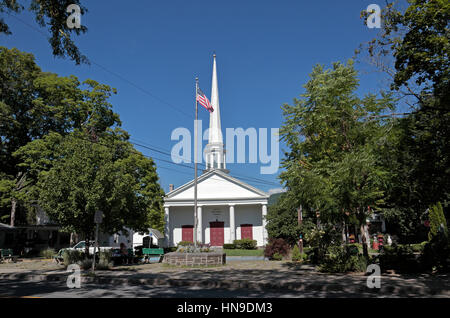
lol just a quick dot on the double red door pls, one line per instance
(247, 231)
(216, 233)
(187, 233)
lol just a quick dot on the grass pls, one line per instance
(244, 252)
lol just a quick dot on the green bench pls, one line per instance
(147, 252)
(7, 254)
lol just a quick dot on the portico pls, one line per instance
(220, 220)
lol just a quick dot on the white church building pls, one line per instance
(227, 208)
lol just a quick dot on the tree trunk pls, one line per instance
(21, 177)
(73, 238)
(13, 211)
(365, 239)
(86, 248)
(344, 236)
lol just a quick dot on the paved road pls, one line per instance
(59, 290)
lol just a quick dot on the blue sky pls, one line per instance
(265, 51)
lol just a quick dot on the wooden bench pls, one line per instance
(7, 254)
(147, 252)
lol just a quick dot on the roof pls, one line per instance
(156, 233)
(216, 185)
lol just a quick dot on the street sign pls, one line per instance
(98, 217)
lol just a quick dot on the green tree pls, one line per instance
(415, 38)
(34, 103)
(77, 176)
(53, 15)
(282, 219)
(333, 136)
(438, 223)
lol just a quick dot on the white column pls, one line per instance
(264, 223)
(232, 224)
(199, 224)
(166, 226)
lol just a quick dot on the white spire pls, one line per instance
(215, 130)
(214, 151)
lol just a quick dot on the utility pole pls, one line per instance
(98, 218)
(300, 222)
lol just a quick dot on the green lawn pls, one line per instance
(244, 252)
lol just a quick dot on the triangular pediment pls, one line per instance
(216, 184)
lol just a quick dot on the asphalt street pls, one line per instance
(57, 289)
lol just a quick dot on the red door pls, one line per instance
(247, 231)
(216, 233)
(187, 233)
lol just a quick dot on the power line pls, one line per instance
(203, 165)
(145, 91)
(243, 177)
(256, 180)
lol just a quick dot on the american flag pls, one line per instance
(203, 100)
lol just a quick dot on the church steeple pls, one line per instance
(214, 151)
(215, 130)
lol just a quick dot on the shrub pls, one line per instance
(340, 260)
(334, 260)
(399, 257)
(103, 266)
(105, 256)
(276, 246)
(229, 246)
(48, 253)
(418, 248)
(169, 249)
(356, 263)
(105, 262)
(72, 257)
(296, 256)
(436, 254)
(245, 244)
(277, 257)
(352, 249)
(185, 243)
(85, 264)
(201, 248)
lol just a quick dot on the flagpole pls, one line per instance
(195, 163)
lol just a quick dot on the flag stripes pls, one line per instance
(203, 100)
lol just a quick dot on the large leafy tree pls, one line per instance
(53, 15)
(333, 136)
(416, 39)
(34, 103)
(78, 175)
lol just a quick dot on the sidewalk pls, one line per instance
(257, 275)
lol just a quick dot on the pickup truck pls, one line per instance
(81, 246)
